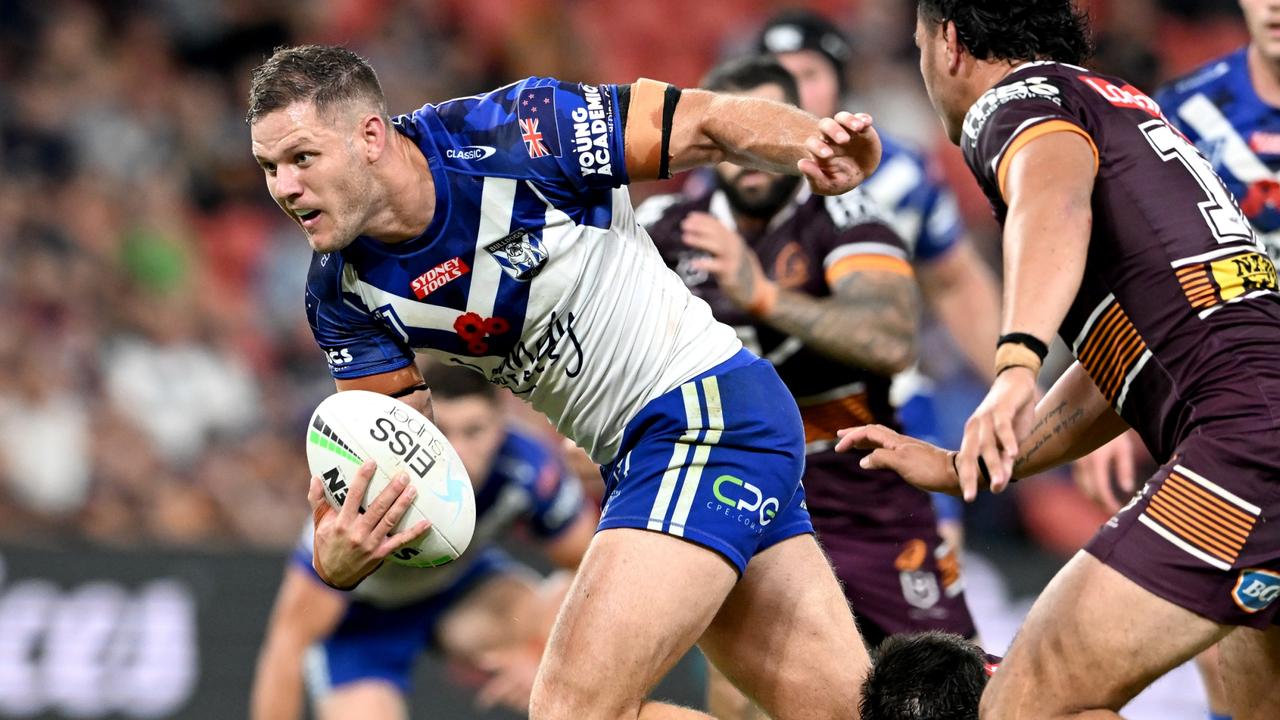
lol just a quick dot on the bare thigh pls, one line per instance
(1251, 673)
(1093, 640)
(639, 602)
(786, 637)
(364, 699)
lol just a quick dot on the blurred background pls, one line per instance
(158, 366)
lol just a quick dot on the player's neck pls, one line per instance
(1265, 76)
(409, 194)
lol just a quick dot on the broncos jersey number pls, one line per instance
(1220, 210)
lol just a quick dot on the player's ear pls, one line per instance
(954, 50)
(372, 131)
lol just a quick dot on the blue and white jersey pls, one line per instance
(921, 209)
(533, 270)
(1217, 108)
(526, 484)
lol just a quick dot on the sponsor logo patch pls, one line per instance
(470, 152)
(1255, 590)
(1127, 96)
(1031, 88)
(591, 127)
(438, 276)
(1265, 143)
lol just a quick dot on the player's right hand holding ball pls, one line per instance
(350, 543)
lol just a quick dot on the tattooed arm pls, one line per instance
(870, 320)
(1072, 420)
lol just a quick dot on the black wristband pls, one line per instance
(982, 468)
(1026, 340)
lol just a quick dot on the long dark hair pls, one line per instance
(1015, 29)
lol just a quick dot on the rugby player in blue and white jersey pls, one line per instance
(496, 232)
(357, 650)
(1230, 109)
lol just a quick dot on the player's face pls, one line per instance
(754, 192)
(473, 425)
(938, 82)
(314, 172)
(1263, 19)
(816, 76)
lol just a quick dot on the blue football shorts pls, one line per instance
(716, 461)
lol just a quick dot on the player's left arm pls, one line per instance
(1046, 178)
(669, 130)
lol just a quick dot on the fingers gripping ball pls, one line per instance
(353, 426)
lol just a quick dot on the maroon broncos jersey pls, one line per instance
(1177, 318)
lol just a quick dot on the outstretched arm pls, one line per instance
(1071, 421)
(834, 154)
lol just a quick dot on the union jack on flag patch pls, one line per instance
(533, 139)
(536, 114)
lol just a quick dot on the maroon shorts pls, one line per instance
(1204, 532)
(881, 535)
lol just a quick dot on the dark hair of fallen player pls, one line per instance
(924, 676)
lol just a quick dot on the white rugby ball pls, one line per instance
(353, 426)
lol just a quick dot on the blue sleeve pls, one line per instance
(353, 340)
(941, 226)
(555, 494)
(1170, 101)
(560, 134)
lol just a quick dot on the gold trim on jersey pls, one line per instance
(1210, 283)
(1112, 351)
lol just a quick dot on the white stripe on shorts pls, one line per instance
(715, 426)
(679, 454)
(316, 672)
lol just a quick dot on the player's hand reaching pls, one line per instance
(352, 542)
(925, 466)
(728, 259)
(1093, 473)
(844, 153)
(991, 434)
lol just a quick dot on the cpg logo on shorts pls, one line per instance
(738, 494)
(1256, 589)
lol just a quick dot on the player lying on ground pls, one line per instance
(1119, 237)
(496, 232)
(793, 273)
(356, 650)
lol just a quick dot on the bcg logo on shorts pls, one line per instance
(749, 497)
(1256, 589)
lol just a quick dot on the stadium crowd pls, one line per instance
(159, 363)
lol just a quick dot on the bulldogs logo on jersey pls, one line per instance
(520, 254)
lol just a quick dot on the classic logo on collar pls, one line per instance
(521, 254)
